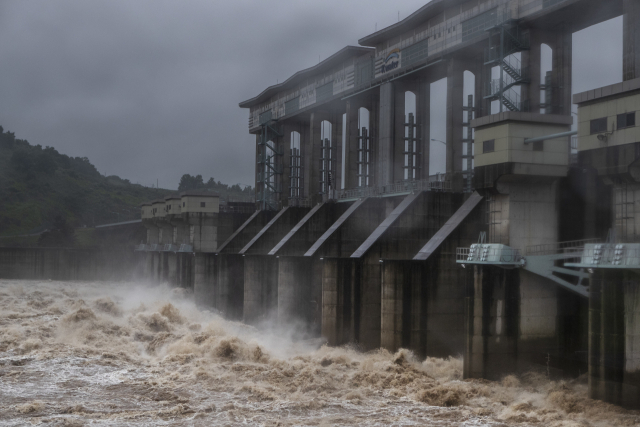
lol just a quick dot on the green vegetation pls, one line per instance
(233, 193)
(41, 189)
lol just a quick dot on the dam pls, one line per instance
(523, 255)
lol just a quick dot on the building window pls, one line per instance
(626, 120)
(598, 125)
(202, 204)
(488, 146)
(183, 203)
(169, 207)
(538, 146)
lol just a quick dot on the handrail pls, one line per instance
(559, 247)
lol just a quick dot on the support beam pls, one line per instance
(383, 172)
(455, 90)
(631, 40)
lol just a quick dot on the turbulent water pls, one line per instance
(128, 354)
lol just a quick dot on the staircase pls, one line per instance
(506, 40)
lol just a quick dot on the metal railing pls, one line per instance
(559, 247)
(396, 188)
(487, 254)
(299, 202)
(608, 255)
(185, 248)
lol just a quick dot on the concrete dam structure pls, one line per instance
(522, 255)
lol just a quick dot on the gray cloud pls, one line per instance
(149, 89)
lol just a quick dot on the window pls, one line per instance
(488, 146)
(169, 207)
(538, 146)
(183, 203)
(626, 120)
(202, 204)
(598, 125)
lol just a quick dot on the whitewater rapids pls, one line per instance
(114, 354)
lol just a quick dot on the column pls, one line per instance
(295, 301)
(383, 173)
(455, 90)
(423, 114)
(630, 40)
(561, 73)
(606, 336)
(393, 298)
(260, 288)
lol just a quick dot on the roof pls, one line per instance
(429, 10)
(199, 193)
(335, 59)
(598, 94)
(153, 202)
(173, 197)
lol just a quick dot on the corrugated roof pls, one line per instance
(330, 62)
(429, 10)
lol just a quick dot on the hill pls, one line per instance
(42, 189)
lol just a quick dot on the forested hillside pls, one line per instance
(43, 189)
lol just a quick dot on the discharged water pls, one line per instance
(128, 354)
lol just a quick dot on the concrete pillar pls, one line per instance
(152, 232)
(203, 285)
(493, 324)
(312, 153)
(351, 159)
(561, 73)
(630, 40)
(299, 302)
(337, 150)
(185, 270)
(148, 267)
(229, 290)
(205, 231)
(351, 145)
(260, 288)
(172, 268)
(340, 301)
(370, 302)
(332, 302)
(455, 90)
(606, 336)
(531, 62)
(397, 157)
(424, 130)
(383, 171)
(393, 306)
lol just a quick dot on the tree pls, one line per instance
(188, 182)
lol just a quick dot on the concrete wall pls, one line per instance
(70, 264)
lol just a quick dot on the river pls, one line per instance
(116, 354)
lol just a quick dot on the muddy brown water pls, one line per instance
(119, 354)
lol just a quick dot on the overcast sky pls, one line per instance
(150, 89)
